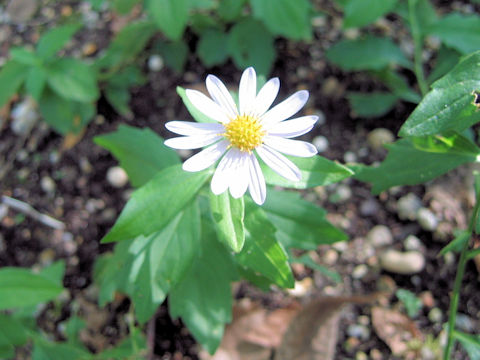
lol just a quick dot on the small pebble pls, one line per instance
(435, 315)
(3, 211)
(376, 354)
(89, 49)
(321, 143)
(340, 246)
(404, 263)
(380, 236)
(46, 257)
(330, 257)
(24, 116)
(464, 323)
(369, 207)
(360, 271)
(342, 193)
(427, 219)
(412, 243)
(155, 63)
(379, 137)
(47, 184)
(350, 157)
(360, 355)
(321, 117)
(427, 299)
(358, 331)
(117, 177)
(408, 206)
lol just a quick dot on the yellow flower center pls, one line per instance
(244, 132)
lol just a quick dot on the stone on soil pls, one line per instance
(403, 263)
(380, 236)
(117, 177)
(427, 219)
(408, 206)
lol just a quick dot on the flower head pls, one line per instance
(242, 133)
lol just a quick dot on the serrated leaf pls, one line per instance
(450, 103)
(13, 74)
(316, 171)
(261, 252)
(300, 224)
(55, 39)
(359, 13)
(250, 44)
(141, 152)
(288, 18)
(227, 214)
(372, 104)
(368, 53)
(20, 287)
(156, 203)
(203, 298)
(169, 15)
(212, 47)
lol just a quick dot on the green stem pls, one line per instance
(457, 285)
(418, 47)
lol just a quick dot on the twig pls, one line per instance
(30, 211)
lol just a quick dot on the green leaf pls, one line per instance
(413, 165)
(24, 56)
(65, 116)
(73, 326)
(73, 80)
(55, 272)
(13, 74)
(12, 332)
(261, 252)
(373, 104)
(250, 44)
(202, 4)
(457, 243)
(35, 82)
(130, 348)
(140, 152)
(458, 31)
(175, 54)
(398, 85)
(230, 10)
(316, 171)
(169, 15)
(203, 298)
(300, 224)
(471, 343)
(445, 61)
(156, 203)
(126, 45)
(124, 6)
(289, 18)
(46, 350)
(305, 259)
(368, 53)
(359, 13)
(411, 302)
(212, 47)
(424, 13)
(20, 287)
(450, 103)
(196, 114)
(228, 214)
(55, 39)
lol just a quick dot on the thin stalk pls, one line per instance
(418, 48)
(457, 285)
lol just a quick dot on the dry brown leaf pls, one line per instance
(395, 329)
(71, 139)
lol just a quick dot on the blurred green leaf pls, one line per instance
(411, 302)
(73, 326)
(398, 85)
(156, 203)
(126, 348)
(140, 152)
(424, 14)
(316, 171)
(471, 343)
(124, 6)
(13, 74)
(300, 224)
(25, 56)
(228, 214)
(55, 39)
(12, 333)
(457, 243)
(230, 10)
(212, 47)
(445, 61)
(261, 251)
(367, 53)
(450, 103)
(170, 16)
(35, 82)
(250, 44)
(458, 31)
(46, 350)
(20, 287)
(175, 54)
(73, 80)
(205, 305)
(372, 104)
(55, 272)
(289, 18)
(202, 4)
(359, 13)
(305, 259)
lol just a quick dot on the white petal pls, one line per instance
(279, 163)
(256, 185)
(286, 108)
(222, 177)
(192, 128)
(266, 96)
(290, 147)
(220, 94)
(207, 106)
(192, 142)
(292, 128)
(206, 158)
(247, 91)
(239, 181)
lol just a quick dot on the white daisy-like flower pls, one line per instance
(244, 132)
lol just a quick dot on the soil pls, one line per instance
(88, 205)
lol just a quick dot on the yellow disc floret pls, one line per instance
(244, 132)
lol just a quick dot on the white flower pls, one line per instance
(244, 132)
